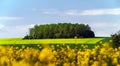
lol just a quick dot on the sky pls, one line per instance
(17, 16)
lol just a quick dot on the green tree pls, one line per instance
(60, 30)
(116, 40)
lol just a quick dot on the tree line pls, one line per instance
(60, 30)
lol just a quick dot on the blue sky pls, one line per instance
(17, 16)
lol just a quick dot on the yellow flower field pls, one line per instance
(49, 56)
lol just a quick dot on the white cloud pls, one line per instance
(1, 26)
(19, 28)
(71, 12)
(104, 24)
(31, 26)
(50, 11)
(15, 31)
(114, 11)
(10, 18)
(59, 12)
(104, 28)
(75, 12)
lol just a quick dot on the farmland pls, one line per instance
(103, 55)
(48, 56)
(50, 41)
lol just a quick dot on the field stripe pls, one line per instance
(50, 41)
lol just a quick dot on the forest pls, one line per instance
(60, 30)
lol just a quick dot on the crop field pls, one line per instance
(50, 41)
(46, 55)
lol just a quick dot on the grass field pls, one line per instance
(50, 41)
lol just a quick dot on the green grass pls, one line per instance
(50, 41)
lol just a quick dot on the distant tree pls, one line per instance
(28, 37)
(88, 34)
(116, 40)
(60, 30)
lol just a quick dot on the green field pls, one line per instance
(51, 41)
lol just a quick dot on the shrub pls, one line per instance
(28, 37)
(116, 40)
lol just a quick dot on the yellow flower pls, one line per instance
(46, 55)
(115, 61)
(51, 64)
(104, 64)
(118, 64)
(21, 63)
(96, 63)
(66, 64)
(4, 60)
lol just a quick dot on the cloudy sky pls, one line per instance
(17, 16)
